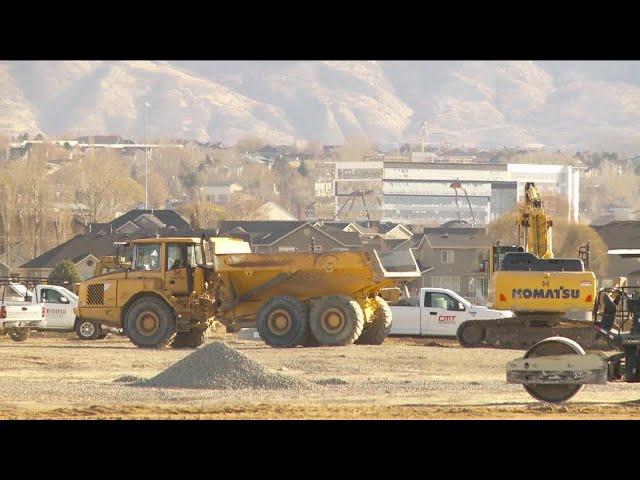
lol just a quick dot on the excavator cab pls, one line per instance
(498, 253)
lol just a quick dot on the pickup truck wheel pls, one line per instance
(336, 320)
(88, 330)
(19, 334)
(380, 325)
(470, 334)
(283, 322)
(150, 323)
(191, 339)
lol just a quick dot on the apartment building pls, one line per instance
(432, 192)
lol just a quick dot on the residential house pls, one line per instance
(141, 221)
(380, 235)
(272, 211)
(616, 235)
(220, 192)
(289, 236)
(455, 258)
(85, 249)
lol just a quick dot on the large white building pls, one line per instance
(423, 193)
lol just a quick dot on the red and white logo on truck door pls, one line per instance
(446, 319)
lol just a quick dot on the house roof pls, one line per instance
(165, 219)
(269, 232)
(91, 244)
(457, 237)
(272, 211)
(620, 234)
(261, 232)
(372, 227)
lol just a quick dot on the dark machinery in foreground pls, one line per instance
(557, 368)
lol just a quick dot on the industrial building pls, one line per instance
(396, 189)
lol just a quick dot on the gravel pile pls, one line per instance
(218, 366)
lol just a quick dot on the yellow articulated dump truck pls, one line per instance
(175, 287)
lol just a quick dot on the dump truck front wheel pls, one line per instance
(18, 334)
(336, 320)
(191, 339)
(150, 323)
(380, 325)
(283, 322)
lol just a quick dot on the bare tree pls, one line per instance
(8, 202)
(241, 206)
(250, 143)
(32, 195)
(201, 215)
(102, 182)
(356, 148)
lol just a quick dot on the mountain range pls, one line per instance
(564, 105)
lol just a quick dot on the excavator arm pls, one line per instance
(534, 228)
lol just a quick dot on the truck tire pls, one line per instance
(283, 322)
(310, 341)
(88, 329)
(380, 325)
(336, 320)
(18, 334)
(191, 339)
(150, 323)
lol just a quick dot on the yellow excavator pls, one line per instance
(549, 296)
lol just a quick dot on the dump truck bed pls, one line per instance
(252, 278)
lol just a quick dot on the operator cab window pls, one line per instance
(176, 256)
(442, 300)
(52, 296)
(182, 255)
(147, 257)
(194, 255)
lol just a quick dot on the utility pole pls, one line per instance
(146, 157)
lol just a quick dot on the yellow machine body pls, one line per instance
(229, 282)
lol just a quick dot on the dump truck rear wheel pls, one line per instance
(191, 339)
(470, 334)
(283, 322)
(336, 320)
(88, 330)
(19, 334)
(150, 323)
(380, 326)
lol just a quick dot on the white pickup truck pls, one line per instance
(18, 314)
(437, 312)
(58, 304)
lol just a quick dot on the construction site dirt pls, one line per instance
(62, 377)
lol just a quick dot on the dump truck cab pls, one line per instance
(163, 295)
(156, 298)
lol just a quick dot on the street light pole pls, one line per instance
(146, 157)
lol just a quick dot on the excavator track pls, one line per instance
(523, 331)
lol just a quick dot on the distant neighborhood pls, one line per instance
(436, 203)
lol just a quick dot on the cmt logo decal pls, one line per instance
(446, 319)
(561, 292)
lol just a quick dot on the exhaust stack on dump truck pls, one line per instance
(175, 287)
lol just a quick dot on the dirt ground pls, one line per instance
(61, 377)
